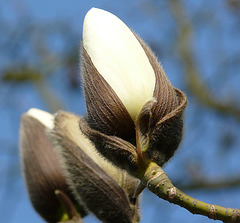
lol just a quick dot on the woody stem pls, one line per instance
(156, 180)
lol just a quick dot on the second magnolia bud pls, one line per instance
(42, 171)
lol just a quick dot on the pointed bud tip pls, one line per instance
(119, 57)
(44, 117)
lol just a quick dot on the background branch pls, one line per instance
(194, 82)
(210, 185)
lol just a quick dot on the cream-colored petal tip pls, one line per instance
(93, 10)
(100, 23)
(119, 58)
(97, 13)
(44, 117)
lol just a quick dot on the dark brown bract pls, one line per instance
(157, 131)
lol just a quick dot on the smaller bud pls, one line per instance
(41, 169)
(105, 190)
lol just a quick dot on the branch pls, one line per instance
(157, 181)
(204, 184)
(26, 73)
(52, 101)
(194, 82)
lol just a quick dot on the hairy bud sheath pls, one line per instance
(104, 189)
(57, 158)
(120, 75)
(41, 168)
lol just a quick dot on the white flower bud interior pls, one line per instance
(119, 58)
(44, 117)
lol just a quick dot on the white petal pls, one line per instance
(119, 58)
(44, 117)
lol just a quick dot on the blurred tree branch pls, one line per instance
(27, 74)
(194, 82)
(208, 184)
(45, 60)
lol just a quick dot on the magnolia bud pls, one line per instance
(104, 189)
(41, 169)
(128, 95)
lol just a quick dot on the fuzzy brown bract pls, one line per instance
(42, 171)
(103, 189)
(109, 124)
